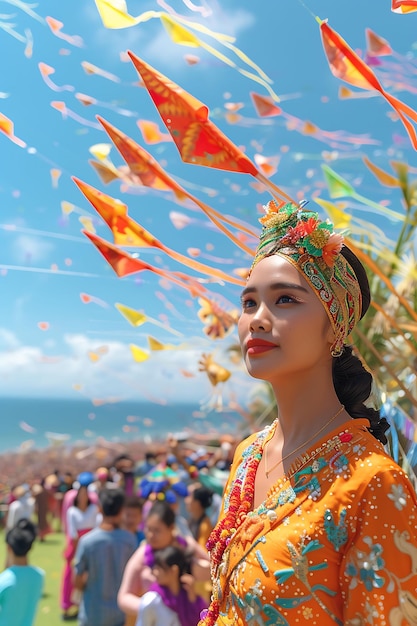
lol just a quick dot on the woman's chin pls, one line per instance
(258, 370)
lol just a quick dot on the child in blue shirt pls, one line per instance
(21, 584)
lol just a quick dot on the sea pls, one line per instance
(41, 422)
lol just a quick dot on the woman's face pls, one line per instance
(158, 534)
(283, 328)
(193, 506)
(82, 497)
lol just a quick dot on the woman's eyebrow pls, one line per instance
(275, 286)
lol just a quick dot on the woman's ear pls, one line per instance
(329, 333)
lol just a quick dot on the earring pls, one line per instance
(337, 348)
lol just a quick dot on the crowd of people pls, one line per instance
(135, 535)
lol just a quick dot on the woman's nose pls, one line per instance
(260, 320)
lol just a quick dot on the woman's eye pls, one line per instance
(285, 300)
(248, 303)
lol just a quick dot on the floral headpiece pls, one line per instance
(314, 249)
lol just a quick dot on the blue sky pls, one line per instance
(47, 334)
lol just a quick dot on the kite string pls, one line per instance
(303, 4)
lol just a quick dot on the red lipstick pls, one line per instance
(258, 346)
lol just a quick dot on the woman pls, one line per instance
(318, 523)
(159, 534)
(198, 501)
(81, 517)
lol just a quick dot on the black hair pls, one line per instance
(352, 382)
(111, 501)
(173, 555)
(75, 503)
(122, 457)
(204, 495)
(134, 502)
(164, 512)
(21, 537)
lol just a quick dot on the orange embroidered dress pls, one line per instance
(335, 541)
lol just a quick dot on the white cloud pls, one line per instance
(26, 371)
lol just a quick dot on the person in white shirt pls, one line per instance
(21, 508)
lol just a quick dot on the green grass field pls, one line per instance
(48, 556)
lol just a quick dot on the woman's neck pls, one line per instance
(305, 406)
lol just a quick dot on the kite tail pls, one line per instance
(274, 189)
(204, 269)
(404, 112)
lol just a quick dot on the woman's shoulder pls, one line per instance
(370, 463)
(376, 463)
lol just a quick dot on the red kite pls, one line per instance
(346, 65)
(198, 140)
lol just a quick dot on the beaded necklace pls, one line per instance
(240, 503)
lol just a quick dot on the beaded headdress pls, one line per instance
(312, 246)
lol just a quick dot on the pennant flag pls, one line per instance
(376, 46)
(151, 133)
(388, 180)
(137, 318)
(340, 188)
(106, 173)
(139, 355)
(156, 345)
(265, 107)
(7, 127)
